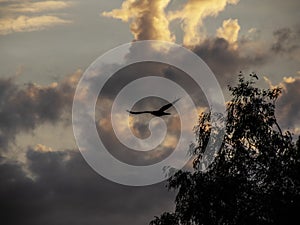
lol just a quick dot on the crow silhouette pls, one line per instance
(158, 113)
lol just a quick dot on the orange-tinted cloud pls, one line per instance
(26, 24)
(192, 15)
(33, 7)
(42, 148)
(147, 19)
(15, 16)
(230, 32)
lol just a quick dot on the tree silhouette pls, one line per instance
(254, 178)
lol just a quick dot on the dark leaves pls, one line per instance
(254, 178)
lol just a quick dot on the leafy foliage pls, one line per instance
(254, 178)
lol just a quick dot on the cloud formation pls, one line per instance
(147, 19)
(150, 21)
(33, 7)
(66, 190)
(286, 41)
(225, 60)
(192, 15)
(27, 24)
(288, 105)
(14, 16)
(22, 109)
(230, 32)
(225, 54)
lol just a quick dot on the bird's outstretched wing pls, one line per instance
(254, 75)
(165, 107)
(141, 112)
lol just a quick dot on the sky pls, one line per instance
(45, 47)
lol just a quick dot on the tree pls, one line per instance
(254, 178)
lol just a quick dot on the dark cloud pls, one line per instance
(225, 61)
(286, 40)
(67, 191)
(23, 108)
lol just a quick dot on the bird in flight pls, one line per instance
(254, 75)
(158, 113)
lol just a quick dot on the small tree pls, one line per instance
(254, 178)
